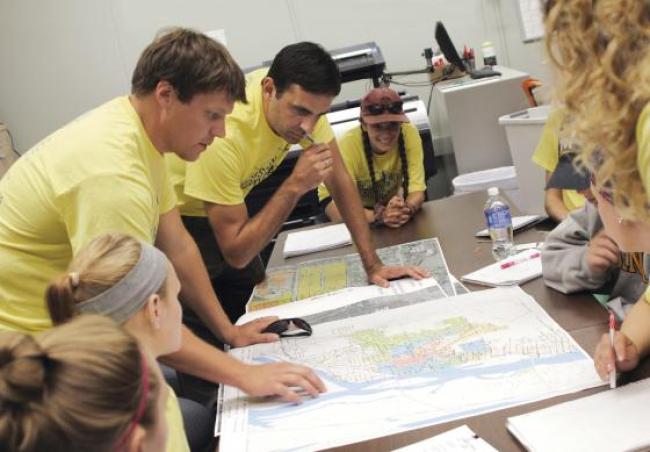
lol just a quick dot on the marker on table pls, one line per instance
(612, 329)
(520, 260)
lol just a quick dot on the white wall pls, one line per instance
(61, 58)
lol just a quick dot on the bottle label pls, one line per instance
(490, 60)
(498, 217)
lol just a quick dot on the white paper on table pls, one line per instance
(611, 420)
(459, 439)
(517, 223)
(339, 298)
(528, 265)
(319, 239)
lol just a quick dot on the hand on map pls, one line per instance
(282, 379)
(627, 355)
(251, 332)
(396, 213)
(381, 274)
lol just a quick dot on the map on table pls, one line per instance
(409, 367)
(309, 279)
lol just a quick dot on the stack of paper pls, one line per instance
(319, 239)
(510, 271)
(518, 223)
(610, 420)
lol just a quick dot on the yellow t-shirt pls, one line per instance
(229, 169)
(97, 174)
(547, 155)
(643, 157)
(176, 439)
(388, 167)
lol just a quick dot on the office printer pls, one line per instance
(357, 62)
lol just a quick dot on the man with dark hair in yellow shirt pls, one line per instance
(286, 103)
(105, 172)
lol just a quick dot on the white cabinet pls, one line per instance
(468, 111)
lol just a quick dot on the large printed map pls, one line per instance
(321, 276)
(409, 367)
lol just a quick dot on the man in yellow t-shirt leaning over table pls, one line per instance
(286, 105)
(104, 172)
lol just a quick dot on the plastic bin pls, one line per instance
(523, 131)
(504, 177)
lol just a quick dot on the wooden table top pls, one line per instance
(454, 221)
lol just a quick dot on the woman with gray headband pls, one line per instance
(134, 284)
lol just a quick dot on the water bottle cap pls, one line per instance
(493, 191)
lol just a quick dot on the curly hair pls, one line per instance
(601, 49)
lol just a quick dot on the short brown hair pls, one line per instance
(192, 63)
(75, 387)
(307, 65)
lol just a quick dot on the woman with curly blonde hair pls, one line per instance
(602, 51)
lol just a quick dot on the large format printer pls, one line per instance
(355, 63)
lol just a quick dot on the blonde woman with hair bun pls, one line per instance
(83, 386)
(134, 284)
(602, 52)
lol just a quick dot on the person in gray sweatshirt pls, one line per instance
(578, 256)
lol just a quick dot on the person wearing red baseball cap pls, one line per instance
(384, 157)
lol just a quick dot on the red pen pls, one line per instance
(612, 329)
(520, 260)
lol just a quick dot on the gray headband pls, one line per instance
(126, 297)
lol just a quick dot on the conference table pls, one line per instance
(454, 221)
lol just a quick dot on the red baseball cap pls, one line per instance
(382, 105)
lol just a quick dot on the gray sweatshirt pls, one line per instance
(564, 261)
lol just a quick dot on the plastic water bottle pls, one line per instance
(489, 55)
(499, 224)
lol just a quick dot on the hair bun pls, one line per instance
(22, 369)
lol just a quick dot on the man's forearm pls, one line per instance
(345, 195)
(196, 289)
(554, 202)
(259, 230)
(202, 360)
(334, 215)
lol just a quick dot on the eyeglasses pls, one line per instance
(392, 107)
(294, 327)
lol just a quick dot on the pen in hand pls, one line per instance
(309, 138)
(612, 329)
